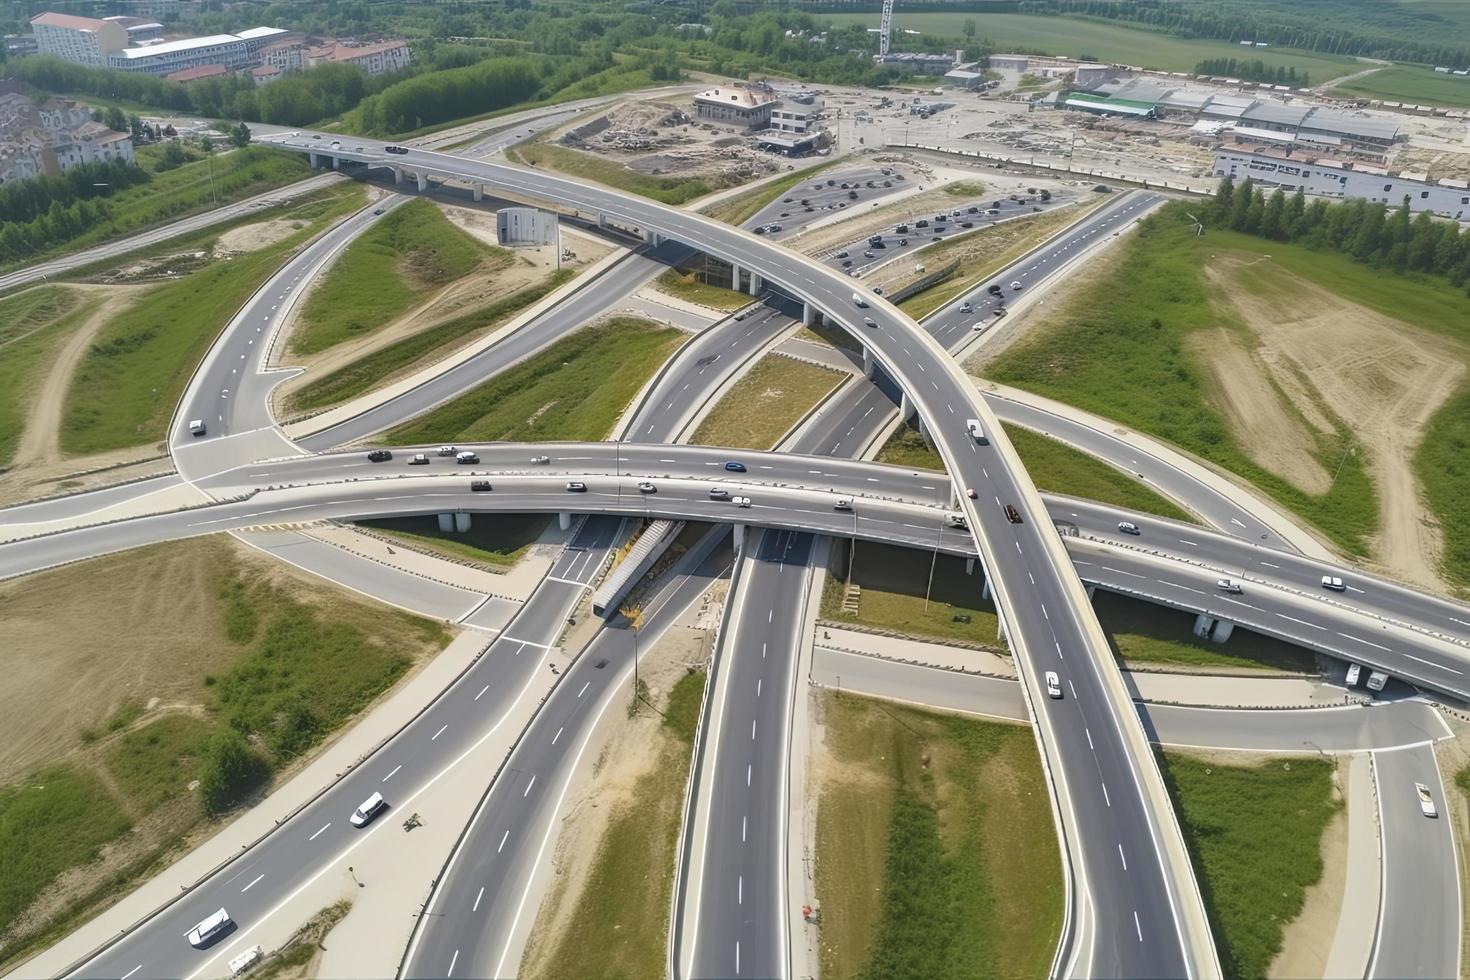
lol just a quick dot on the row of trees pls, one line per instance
(1367, 231)
(24, 200)
(1253, 71)
(1394, 31)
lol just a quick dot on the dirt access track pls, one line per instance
(1310, 361)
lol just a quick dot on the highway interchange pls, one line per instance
(790, 492)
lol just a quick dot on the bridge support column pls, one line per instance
(564, 521)
(446, 522)
(870, 364)
(337, 163)
(397, 175)
(312, 158)
(755, 284)
(1223, 629)
(423, 181)
(739, 537)
(969, 566)
(735, 277)
(985, 592)
(906, 408)
(461, 521)
(479, 192)
(1091, 590)
(808, 314)
(1203, 624)
(602, 221)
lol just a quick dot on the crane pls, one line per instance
(885, 28)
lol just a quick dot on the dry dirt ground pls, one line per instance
(1306, 942)
(527, 267)
(248, 238)
(625, 750)
(1312, 357)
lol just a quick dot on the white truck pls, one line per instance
(973, 427)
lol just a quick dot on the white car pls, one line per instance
(1333, 582)
(646, 487)
(209, 929)
(1015, 284)
(538, 460)
(1426, 801)
(196, 427)
(447, 450)
(1128, 527)
(1053, 684)
(740, 501)
(1228, 585)
(371, 807)
(842, 504)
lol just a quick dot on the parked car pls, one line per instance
(1053, 685)
(379, 456)
(368, 809)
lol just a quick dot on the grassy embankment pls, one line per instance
(935, 855)
(1142, 634)
(495, 541)
(129, 381)
(1255, 836)
(983, 252)
(740, 208)
(575, 163)
(199, 186)
(1054, 466)
(1411, 83)
(687, 286)
(1108, 42)
(622, 915)
(33, 325)
(405, 356)
(1119, 349)
(251, 668)
(411, 252)
(573, 390)
(766, 402)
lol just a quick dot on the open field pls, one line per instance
(893, 582)
(1211, 345)
(739, 208)
(575, 163)
(1147, 635)
(191, 188)
(982, 253)
(408, 254)
(1053, 466)
(401, 357)
(1410, 83)
(495, 541)
(32, 325)
(171, 652)
(935, 852)
(1254, 831)
(687, 286)
(574, 390)
(1443, 468)
(765, 403)
(1096, 40)
(612, 920)
(127, 385)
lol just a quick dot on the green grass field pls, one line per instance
(1411, 83)
(1119, 350)
(411, 252)
(1053, 466)
(622, 915)
(573, 390)
(33, 325)
(402, 357)
(687, 286)
(1255, 836)
(575, 163)
(894, 581)
(765, 403)
(193, 187)
(1100, 41)
(129, 381)
(935, 855)
(494, 540)
(1443, 467)
(1145, 634)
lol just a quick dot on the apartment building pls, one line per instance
(83, 40)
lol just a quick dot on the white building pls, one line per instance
(742, 105)
(377, 58)
(790, 117)
(83, 40)
(53, 138)
(1328, 177)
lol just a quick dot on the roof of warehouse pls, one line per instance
(169, 47)
(1275, 112)
(1351, 125)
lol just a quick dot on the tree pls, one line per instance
(114, 118)
(205, 143)
(1273, 222)
(1240, 206)
(1224, 198)
(228, 770)
(240, 135)
(173, 156)
(135, 126)
(969, 29)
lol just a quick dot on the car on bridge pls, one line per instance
(1228, 585)
(1053, 685)
(576, 486)
(1128, 527)
(210, 929)
(379, 456)
(646, 487)
(735, 467)
(1013, 515)
(419, 459)
(1334, 583)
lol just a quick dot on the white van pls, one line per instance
(246, 960)
(196, 427)
(209, 929)
(859, 300)
(370, 808)
(1354, 671)
(973, 427)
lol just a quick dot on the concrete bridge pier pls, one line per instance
(739, 537)
(1223, 629)
(479, 192)
(985, 592)
(564, 521)
(755, 284)
(397, 174)
(735, 277)
(1203, 625)
(311, 158)
(808, 314)
(461, 521)
(1091, 590)
(602, 221)
(970, 566)
(337, 163)
(446, 522)
(870, 363)
(906, 407)
(423, 181)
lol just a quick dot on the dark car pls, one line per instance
(995, 289)
(967, 224)
(480, 486)
(576, 486)
(396, 149)
(379, 456)
(1013, 515)
(735, 467)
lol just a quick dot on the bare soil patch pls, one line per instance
(1307, 941)
(248, 238)
(1317, 358)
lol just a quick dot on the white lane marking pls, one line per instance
(132, 971)
(740, 890)
(1428, 663)
(1089, 739)
(1358, 639)
(476, 906)
(1269, 565)
(743, 821)
(1136, 925)
(482, 692)
(1106, 800)
(1073, 687)
(747, 775)
(1302, 622)
(439, 732)
(390, 775)
(1123, 856)
(584, 689)
(556, 736)
(452, 960)
(320, 832)
(752, 729)
(252, 884)
(737, 957)
(504, 837)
